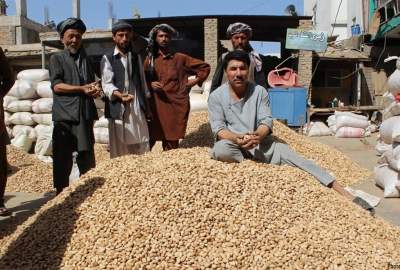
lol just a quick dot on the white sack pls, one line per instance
(101, 135)
(27, 130)
(207, 88)
(101, 123)
(22, 141)
(43, 129)
(19, 106)
(333, 128)
(392, 110)
(394, 82)
(198, 102)
(351, 121)
(390, 130)
(42, 105)
(331, 120)
(382, 147)
(359, 116)
(7, 116)
(7, 99)
(392, 158)
(23, 90)
(387, 179)
(43, 145)
(317, 129)
(22, 118)
(42, 118)
(36, 75)
(44, 89)
(350, 132)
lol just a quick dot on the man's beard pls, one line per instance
(246, 48)
(123, 47)
(72, 50)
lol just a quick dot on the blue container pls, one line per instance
(355, 30)
(289, 104)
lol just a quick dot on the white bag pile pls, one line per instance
(317, 129)
(348, 125)
(387, 171)
(100, 129)
(28, 107)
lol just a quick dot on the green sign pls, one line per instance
(308, 40)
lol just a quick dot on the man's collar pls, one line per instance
(168, 55)
(118, 52)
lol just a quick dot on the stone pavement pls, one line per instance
(363, 152)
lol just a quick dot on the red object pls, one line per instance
(398, 98)
(282, 77)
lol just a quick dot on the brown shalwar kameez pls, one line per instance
(170, 106)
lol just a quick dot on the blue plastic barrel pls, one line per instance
(289, 104)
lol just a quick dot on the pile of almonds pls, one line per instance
(32, 175)
(181, 210)
(28, 174)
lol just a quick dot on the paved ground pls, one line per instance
(363, 152)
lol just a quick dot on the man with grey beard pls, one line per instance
(74, 87)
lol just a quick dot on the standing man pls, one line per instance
(125, 88)
(241, 121)
(167, 74)
(6, 82)
(73, 83)
(240, 34)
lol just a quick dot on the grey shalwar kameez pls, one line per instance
(246, 115)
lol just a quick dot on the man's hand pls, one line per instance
(156, 85)
(191, 83)
(91, 90)
(126, 98)
(246, 142)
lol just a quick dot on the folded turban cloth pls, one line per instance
(238, 27)
(70, 23)
(163, 27)
(120, 25)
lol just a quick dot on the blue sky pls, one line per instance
(95, 12)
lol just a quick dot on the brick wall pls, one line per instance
(211, 44)
(305, 59)
(7, 35)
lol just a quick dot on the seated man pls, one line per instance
(241, 121)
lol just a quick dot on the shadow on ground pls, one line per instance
(43, 243)
(20, 213)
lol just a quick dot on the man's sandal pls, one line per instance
(364, 205)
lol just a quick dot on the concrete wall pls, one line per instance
(16, 30)
(324, 13)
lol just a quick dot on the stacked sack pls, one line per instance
(28, 108)
(100, 130)
(316, 129)
(348, 125)
(387, 171)
(199, 96)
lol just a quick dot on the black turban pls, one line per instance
(120, 25)
(70, 23)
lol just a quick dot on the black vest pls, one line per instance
(112, 108)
